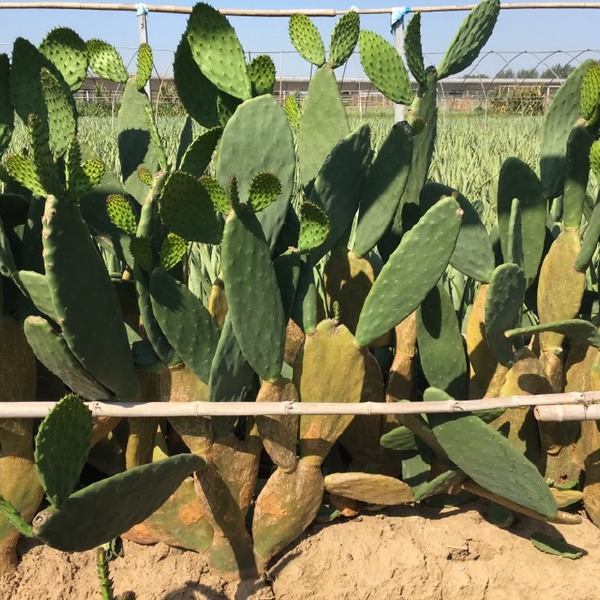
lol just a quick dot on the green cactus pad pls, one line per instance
(293, 112)
(470, 38)
(84, 179)
(7, 112)
(187, 324)
(114, 505)
(62, 120)
(258, 139)
(556, 546)
(214, 43)
(518, 180)
(89, 313)
(400, 438)
(172, 251)
(186, 209)
(323, 123)
(473, 254)
(144, 175)
(135, 148)
(383, 188)
(35, 285)
(197, 94)
(42, 155)
(142, 252)
(595, 159)
(25, 86)
(441, 349)
(413, 49)
(422, 110)
(51, 349)
(370, 488)
(503, 309)
(262, 75)
(144, 66)
(576, 176)
(157, 144)
(307, 40)
(590, 94)
(121, 213)
(264, 190)
(13, 516)
(590, 237)
(439, 484)
(22, 170)
(514, 252)
(68, 53)
(490, 459)
(338, 186)
(403, 283)
(287, 271)
(384, 67)
(252, 294)
(106, 62)
(344, 39)
(62, 444)
(231, 377)
(560, 117)
(577, 330)
(218, 196)
(199, 153)
(314, 227)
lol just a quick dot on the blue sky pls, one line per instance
(516, 31)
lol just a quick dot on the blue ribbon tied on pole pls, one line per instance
(142, 9)
(397, 16)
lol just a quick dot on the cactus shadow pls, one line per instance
(190, 592)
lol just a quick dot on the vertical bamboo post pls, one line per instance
(142, 14)
(397, 18)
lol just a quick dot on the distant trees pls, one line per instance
(558, 71)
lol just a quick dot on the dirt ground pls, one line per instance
(413, 552)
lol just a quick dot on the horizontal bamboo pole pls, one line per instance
(238, 12)
(32, 410)
(560, 413)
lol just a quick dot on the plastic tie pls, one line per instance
(397, 16)
(142, 9)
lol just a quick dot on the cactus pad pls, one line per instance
(402, 284)
(7, 112)
(214, 43)
(344, 39)
(590, 94)
(144, 66)
(218, 196)
(470, 38)
(62, 444)
(370, 488)
(314, 227)
(121, 214)
(114, 505)
(307, 40)
(186, 209)
(503, 309)
(252, 293)
(68, 53)
(172, 251)
(490, 459)
(414, 50)
(384, 67)
(264, 190)
(262, 75)
(106, 62)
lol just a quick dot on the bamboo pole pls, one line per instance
(238, 12)
(32, 410)
(560, 413)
